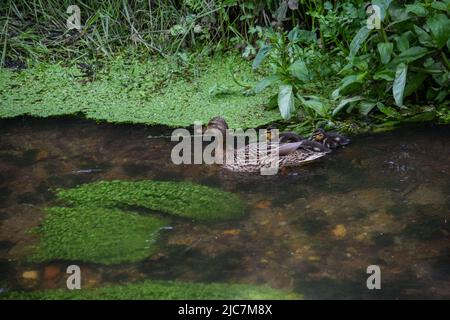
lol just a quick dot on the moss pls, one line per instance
(155, 92)
(159, 290)
(95, 234)
(183, 199)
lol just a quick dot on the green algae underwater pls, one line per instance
(161, 290)
(93, 229)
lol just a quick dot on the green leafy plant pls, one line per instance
(294, 62)
(405, 60)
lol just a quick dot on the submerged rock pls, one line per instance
(51, 272)
(263, 204)
(426, 195)
(339, 231)
(30, 275)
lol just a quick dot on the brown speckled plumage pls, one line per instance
(256, 156)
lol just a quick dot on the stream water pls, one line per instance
(383, 200)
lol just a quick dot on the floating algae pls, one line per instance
(134, 92)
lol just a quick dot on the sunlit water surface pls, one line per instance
(383, 200)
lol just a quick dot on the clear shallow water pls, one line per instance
(383, 200)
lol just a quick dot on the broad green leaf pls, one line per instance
(361, 63)
(264, 83)
(418, 9)
(358, 40)
(439, 25)
(299, 70)
(424, 37)
(316, 105)
(390, 112)
(366, 106)
(411, 54)
(286, 101)
(429, 62)
(262, 53)
(385, 50)
(398, 87)
(441, 96)
(348, 83)
(336, 93)
(294, 34)
(303, 36)
(414, 82)
(352, 79)
(385, 74)
(402, 43)
(439, 5)
(273, 103)
(344, 103)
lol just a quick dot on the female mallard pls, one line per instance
(259, 156)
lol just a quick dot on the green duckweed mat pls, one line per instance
(154, 92)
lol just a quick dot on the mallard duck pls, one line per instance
(331, 140)
(263, 155)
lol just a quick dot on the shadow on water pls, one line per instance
(383, 200)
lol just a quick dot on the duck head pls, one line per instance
(219, 124)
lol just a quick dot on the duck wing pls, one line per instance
(287, 148)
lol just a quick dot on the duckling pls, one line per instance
(305, 143)
(331, 140)
(287, 137)
(290, 154)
